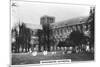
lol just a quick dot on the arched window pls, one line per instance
(78, 27)
(65, 29)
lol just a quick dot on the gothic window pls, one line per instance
(88, 25)
(72, 28)
(76, 27)
(79, 27)
(59, 31)
(84, 27)
(65, 29)
(54, 32)
(68, 29)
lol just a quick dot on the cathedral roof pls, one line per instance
(69, 22)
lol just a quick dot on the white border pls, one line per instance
(4, 34)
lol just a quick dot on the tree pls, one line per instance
(90, 22)
(39, 34)
(14, 35)
(69, 42)
(77, 38)
(22, 38)
(61, 44)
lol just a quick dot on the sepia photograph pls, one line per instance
(47, 33)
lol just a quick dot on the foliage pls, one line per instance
(22, 38)
(77, 38)
(91, 21)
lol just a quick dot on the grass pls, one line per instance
(28, 58)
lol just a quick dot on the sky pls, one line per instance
(30, 12)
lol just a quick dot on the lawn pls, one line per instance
(28, 58)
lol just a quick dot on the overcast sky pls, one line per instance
(30, 12)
